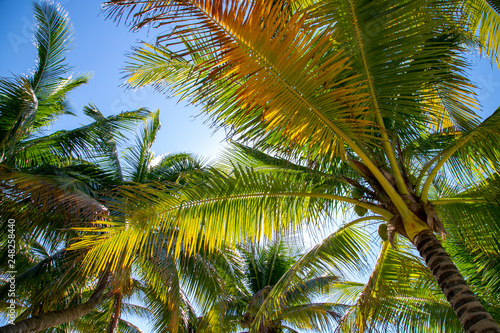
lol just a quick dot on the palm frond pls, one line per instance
(56, 104)
(219, 202)
(402, 52)
(344, 249)
(98, 320)
(46, 282)
(42, 205)
(471, 158)
(201, 276)
(86, 142)
(138, 158)
(310, 290)
(176, 168)
(316, 317)
(483, 20)
(53, 37)
(18, 107)
(171, 308)
(401, 294)
(481, 142)
(475, 222)
(155, 66)
(332, 111)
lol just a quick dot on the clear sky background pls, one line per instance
(100, 47)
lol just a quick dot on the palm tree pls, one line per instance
(52, 175)
(264, 266)
(167, 308)
(57, 277)
(400, 295)
(51, 291)
(377, 88)
(50, 182)
(162, 291)
(400, 292)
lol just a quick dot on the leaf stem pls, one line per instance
(439, 165)
(385, 138)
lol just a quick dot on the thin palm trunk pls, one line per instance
(471, 313)
(50, 319)
(55, 318)
(116, 314)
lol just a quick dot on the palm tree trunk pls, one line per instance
(50, 319)
(471, 313)
(55, 318)
(116, 314)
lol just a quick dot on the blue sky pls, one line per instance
(100, 47)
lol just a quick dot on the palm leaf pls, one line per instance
(319, 317)
(480, 142)
(401, 52)
(50, 107)
(344, 249)
(215, 204)
(53, 36)
(18, 109)
(483, 20)
(42, 205)
(155, 66)
(85, 142)
(263, 59)
(400, 294)
(138, 158)
(176, 168)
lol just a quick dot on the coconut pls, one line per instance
(357, 193)
(382, 232)
(361, 211)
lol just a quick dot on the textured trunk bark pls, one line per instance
(50, 319)
(55, 318)
(116, 314)
(472, 315)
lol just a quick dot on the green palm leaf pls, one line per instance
(483, 19)
(53, 36)
(344, 249)
(32, 198)
(222, 198)
(259, 59)
(176, 168)
(138, 158)
(400, 295)
(156, 66)
(18, 109)
(471, 158)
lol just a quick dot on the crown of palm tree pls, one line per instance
(371, 94)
